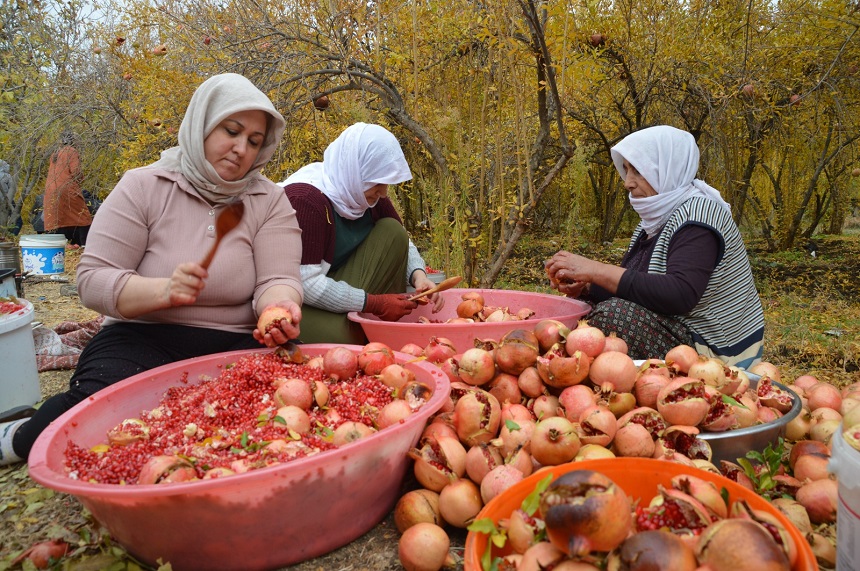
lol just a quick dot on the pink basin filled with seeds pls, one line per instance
(262, 519)
(396, 334)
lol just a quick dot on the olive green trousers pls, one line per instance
(378, 265)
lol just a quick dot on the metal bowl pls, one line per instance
(733, 444)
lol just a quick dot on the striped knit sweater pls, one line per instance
(728, 321)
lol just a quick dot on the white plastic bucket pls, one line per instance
(19, 377)
(43, 254)
(845, 463)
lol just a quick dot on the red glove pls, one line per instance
(389, 306)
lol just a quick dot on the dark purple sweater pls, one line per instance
(694, 252)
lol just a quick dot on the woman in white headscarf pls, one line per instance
(142, 265)
(686, 278)
(356, 255)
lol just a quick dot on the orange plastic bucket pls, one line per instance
(639, 478)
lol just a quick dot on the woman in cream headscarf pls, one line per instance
(685, 278)
(141, 267)
(356, 255)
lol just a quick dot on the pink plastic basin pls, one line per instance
(262, 519)
(396, 334)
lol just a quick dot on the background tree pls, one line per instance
(506, 110)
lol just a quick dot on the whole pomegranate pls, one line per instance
(585, 511)
(736, 544)
(517, 350)
(657, 549)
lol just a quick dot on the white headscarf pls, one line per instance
(668, 159)
(213, 101)
(362, 156)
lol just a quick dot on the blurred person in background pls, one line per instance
(65, 209)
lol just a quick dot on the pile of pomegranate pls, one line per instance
(472, 309)
(584, 520)
(262, 410)
(549, 395)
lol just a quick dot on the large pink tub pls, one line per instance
(262, 519)
(396, 334)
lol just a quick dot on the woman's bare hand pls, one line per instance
(185, 284)
(423, 283)
(284, 330)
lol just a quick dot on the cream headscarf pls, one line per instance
(214, 100)
(668, 159)
(362, 156)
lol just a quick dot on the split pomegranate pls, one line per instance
(272, 317)
(681, 357)
(480, 459)
(673, 510)
(683, 401)
(476, 417)
(522, 530)
(559, 371)
(438, 349)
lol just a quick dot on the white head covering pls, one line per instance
(213, 101)
(362, 156)
(668, 159)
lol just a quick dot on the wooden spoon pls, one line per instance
(442, 286)
(228, 219)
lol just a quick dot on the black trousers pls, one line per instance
(120, 351)
(76, 235)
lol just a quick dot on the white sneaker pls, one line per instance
(7, 431)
